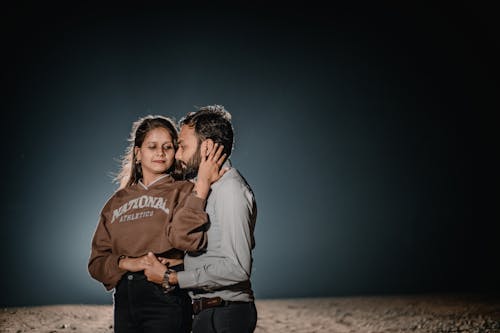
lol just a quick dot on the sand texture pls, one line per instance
(432, 313)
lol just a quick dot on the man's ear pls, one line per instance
(206, 146)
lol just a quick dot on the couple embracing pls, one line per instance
(175, 241)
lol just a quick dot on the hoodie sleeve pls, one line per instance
(103, 263)
(187, 230)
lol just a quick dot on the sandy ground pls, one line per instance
(424, 313)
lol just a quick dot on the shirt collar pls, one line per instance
(227, 164)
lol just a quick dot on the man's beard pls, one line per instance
(190, 171)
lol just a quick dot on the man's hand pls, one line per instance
(156, 270)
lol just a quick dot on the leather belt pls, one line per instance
(203, 303)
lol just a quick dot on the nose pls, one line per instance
(160, 151)
(178, 154)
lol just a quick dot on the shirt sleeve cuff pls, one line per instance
(186, 279)
(114, 260)
(114, 271)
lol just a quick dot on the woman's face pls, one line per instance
(156, 154)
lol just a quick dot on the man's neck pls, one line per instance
(191, 176)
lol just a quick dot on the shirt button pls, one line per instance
(130, 277)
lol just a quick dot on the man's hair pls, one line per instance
(212, 122)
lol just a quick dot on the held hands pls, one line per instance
(156, 270)
(211, 160)
(152, 267)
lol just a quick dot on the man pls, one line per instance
(218, 277)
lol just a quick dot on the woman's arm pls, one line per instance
(209, 170)
(103, 263)
(187, 230)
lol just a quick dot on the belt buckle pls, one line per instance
(197, 305)
(206, 303)
(214, 302)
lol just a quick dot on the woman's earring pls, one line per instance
(138, 166)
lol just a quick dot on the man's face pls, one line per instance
(188, 152)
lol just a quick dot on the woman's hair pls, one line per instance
(130, 171)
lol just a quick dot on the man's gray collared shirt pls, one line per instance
(228, 259)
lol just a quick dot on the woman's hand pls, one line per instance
(209, 170)
(135, 264)
(170, 262)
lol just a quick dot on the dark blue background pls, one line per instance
(366, 132)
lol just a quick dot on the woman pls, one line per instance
(151, 213)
